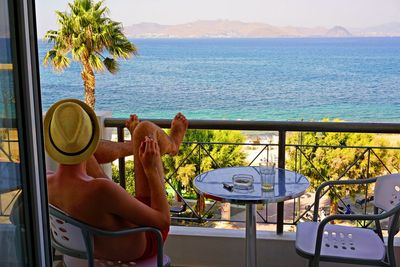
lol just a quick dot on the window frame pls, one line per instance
(23, 36)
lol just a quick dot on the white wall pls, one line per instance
(195, 246)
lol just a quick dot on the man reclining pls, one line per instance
(80, 188)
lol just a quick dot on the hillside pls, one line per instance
(338, 31)
(232, 29)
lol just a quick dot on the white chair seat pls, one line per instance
(340, 241)
(151, 262)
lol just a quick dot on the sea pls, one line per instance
(285, 79)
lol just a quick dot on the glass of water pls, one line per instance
(267, 172)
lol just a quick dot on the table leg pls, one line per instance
(279, 217)
(251, 238)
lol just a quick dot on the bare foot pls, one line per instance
(178, 129)
(131, 123)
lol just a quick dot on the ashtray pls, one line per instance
(243, 182)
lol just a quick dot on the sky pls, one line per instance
(302, 13)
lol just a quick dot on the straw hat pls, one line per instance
(71, 131)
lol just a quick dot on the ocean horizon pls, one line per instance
(352, 79)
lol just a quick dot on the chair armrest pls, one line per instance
(333, 183)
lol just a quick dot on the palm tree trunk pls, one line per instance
(89, 83)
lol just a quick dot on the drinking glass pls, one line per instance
(267, 172)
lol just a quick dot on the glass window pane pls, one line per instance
(11, 221)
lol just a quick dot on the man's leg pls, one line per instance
(108, 151)
(168, 145)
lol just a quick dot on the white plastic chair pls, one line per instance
(74, 239)
(346, 244)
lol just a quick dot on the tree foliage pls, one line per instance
(129, 176)
(194, 158)
(85, 33)
(332, 156)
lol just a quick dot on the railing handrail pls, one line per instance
(290, 126)
(6, 66)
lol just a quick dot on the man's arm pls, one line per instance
(149, 154)
(117, 201)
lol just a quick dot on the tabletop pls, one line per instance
(288, 185)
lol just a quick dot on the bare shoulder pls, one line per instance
(105, 187)
(101, 183)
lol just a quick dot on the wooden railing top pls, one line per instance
(6, 66)
(290, 126)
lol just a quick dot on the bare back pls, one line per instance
(83, 198)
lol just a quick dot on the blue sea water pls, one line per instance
(354, 79)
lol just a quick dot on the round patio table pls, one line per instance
(216, 184)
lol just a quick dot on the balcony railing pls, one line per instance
(362, 153)
(8, 140)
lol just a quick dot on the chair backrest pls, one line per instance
(69, 234)
(387, 196)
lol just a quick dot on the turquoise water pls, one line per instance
(354, 79)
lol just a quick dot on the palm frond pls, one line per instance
(123, 49)
(51, 35)
(61, 16)
(49, 56)
(96, 62)
(85, 5)
(79, 53)
(60, 62)
(111, 65)
(97, 6)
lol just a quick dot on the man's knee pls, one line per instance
(144, 128)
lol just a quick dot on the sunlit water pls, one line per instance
(354, 79)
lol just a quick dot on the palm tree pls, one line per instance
(85, 33)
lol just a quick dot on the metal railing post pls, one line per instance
(281, 165)
(121, 161)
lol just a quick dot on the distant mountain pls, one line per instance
(232, 29)
(338, 31)
(388, 29)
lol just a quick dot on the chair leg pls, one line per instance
(56, 257)
(313, 263)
